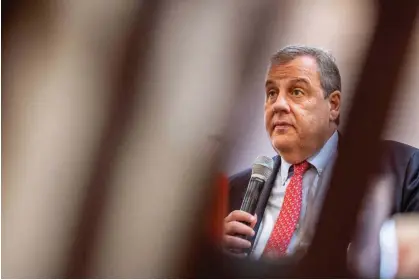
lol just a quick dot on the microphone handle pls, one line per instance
(252, 194)
(250, 201)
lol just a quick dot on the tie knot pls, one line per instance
(300, 168)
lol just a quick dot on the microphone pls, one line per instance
(261, 170)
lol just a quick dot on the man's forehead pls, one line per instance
(303, 66)
(299, 79)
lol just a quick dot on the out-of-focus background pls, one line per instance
(115, 111)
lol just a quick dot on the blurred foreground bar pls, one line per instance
(327, 256)
(84, 197)
(112, 119)
(163, 178)
(58, 75)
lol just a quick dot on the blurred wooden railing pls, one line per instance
(112, 115)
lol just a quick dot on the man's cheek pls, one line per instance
(267, 120)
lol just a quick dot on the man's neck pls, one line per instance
(294, 157)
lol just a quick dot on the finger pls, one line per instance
(252, 224)
(235, 253)
(234, 242)
(233, 228)
(241, 216)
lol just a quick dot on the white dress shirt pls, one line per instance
(318, 163)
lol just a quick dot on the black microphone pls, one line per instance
(261, 170)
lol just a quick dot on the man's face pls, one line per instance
(297, 115)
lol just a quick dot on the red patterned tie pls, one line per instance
(290, 212)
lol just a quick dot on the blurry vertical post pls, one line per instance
(327, 255)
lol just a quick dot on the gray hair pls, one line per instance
(329, 74)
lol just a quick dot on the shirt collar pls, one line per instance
(319, 160)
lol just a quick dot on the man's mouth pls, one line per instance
(281, 126)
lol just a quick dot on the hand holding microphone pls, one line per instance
(239, 224)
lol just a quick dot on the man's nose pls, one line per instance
(281, 104)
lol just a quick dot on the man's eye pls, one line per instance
(297, 92)
(271, 93)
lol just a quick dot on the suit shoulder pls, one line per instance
(403, 161)
(237, 188)
(399, 157)
(243, 177)
(397, 149)
(240, 178)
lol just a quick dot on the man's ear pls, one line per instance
(334, 105)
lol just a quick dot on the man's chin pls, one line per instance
(283, 144)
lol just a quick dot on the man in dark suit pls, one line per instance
(302, 108)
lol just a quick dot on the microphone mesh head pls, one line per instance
(262, 167)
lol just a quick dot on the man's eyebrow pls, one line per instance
(269, 83)
(301, 80)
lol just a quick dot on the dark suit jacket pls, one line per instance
(400, 160)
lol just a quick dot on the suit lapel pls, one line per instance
(264, 196)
